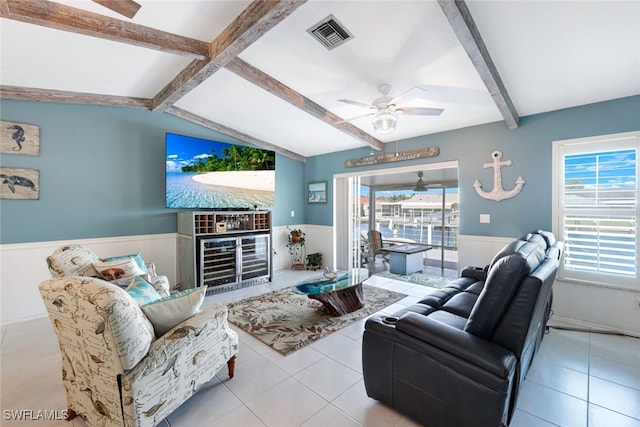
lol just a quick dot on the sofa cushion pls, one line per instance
(461, 304)
(142, 291)
(136, 257)
(165, 313)
(510, 249)
(440, 297)
(502, 283)
(419, 308)
(119, 269)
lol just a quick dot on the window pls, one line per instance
(596, 208)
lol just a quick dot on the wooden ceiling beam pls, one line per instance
(254, 21)
(65, 97)
(465, 28)
(128, 8)
(199, 120)
(66, 18)
(268, 83)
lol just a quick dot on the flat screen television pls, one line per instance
(205, 174)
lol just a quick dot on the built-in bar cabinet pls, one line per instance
(224, 250)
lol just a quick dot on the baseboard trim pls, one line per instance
(582, 326)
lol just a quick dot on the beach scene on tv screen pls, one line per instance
(204, 174)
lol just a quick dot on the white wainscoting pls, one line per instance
(24, 266)
(478, 251)
(318, 238)
(595, 307)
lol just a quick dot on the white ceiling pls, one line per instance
(550, 55)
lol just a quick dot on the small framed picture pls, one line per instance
(317, 192)
(19, 183)
(19, 138)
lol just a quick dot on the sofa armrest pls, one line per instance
(476, 273)
(478, 351)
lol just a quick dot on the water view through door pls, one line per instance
(403, 215)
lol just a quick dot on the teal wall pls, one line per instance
(102, 170)
(528, 147)
(102, 173)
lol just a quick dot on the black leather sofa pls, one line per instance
(458, 356)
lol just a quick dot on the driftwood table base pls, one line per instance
(342, 301)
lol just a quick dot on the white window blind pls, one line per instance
(597, 209)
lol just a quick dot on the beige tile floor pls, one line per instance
(577, 379)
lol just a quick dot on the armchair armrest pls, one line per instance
(186, 338)
(178, 363)
(478, 351)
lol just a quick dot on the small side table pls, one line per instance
(406, 259)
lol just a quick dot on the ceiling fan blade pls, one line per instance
(409, 95)
(357, 103)
(356, 117)
(419, 111)
(128, 8)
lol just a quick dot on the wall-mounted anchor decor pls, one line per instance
(498, 193)
(19, 138)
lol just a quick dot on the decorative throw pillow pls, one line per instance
(142, 291)
(165, 313)
(136, 257)
(72, 260)
(119, 269)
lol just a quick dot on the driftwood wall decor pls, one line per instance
(19, 138)
(377, 159)
(19, 183)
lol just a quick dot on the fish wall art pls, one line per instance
(19, 183)
(19, 138)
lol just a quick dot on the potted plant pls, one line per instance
(314, 261)
(296, 237)
(295, 244)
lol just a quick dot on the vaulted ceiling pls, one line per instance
(251, 70)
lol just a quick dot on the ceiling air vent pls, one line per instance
(330, 32)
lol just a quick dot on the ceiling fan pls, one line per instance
(386, 110)
(420, 185)
(127, 8)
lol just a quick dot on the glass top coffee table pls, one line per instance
(340, 292)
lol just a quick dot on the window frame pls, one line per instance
(602, 143)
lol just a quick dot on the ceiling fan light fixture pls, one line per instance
(420, 185)
(385, 121)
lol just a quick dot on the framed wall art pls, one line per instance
(19, 138)
(317, 192)
(19, 183)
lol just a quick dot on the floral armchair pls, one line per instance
(119, 367)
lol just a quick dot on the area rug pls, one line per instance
(418, 279)
(287, 321)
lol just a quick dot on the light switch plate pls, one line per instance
(485, 218)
